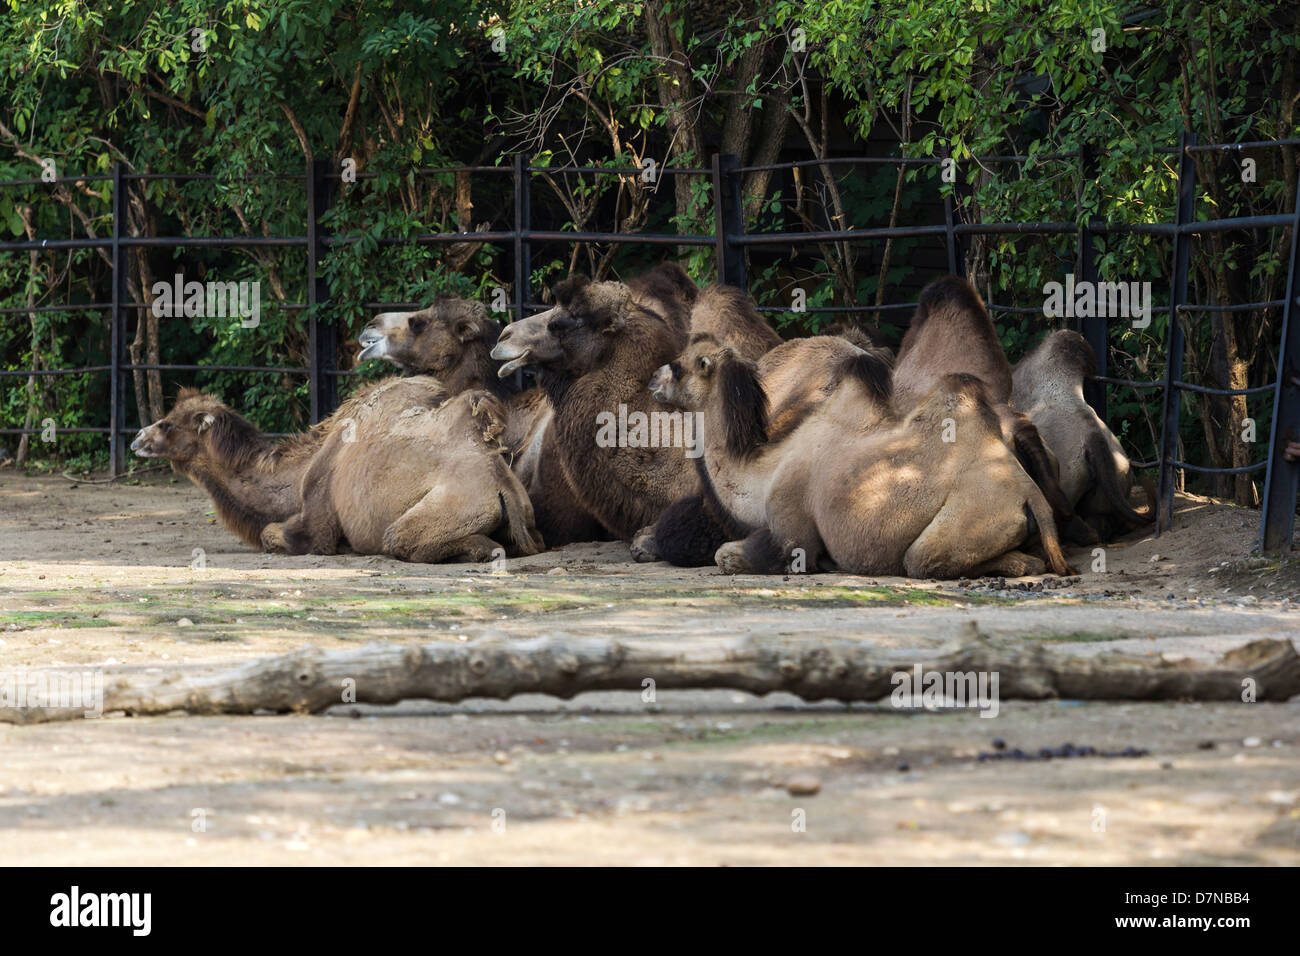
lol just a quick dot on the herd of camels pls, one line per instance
(825, 453)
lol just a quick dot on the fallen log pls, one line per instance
(497, 666)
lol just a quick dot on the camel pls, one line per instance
(402, 469)
(854, 485)
(1095, 475)
(952, 332)
(594, 353)
(451, 340)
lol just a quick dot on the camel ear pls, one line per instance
(467, 330)
(612, 323)
(204, 421)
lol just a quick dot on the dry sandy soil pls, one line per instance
(138, 575)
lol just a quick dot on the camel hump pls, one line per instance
(1070, 351)
(872, 370)
(666, 282)
(949, 292)
(967, 385)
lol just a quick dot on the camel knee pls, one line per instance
(757, 554)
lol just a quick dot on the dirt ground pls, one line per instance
(138, 574)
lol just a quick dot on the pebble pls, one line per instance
(556, 570)
(501, 757)
(185, 622)
(804, 785)
(1015, 838)
(1251, 742)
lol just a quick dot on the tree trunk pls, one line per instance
(313, 680)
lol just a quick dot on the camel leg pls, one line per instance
(1013, 564)
(442, 526)
(962, 539)
(313, 530)
(763, 553)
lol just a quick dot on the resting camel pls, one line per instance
(855, 486)
(1047, 385)
(595, 352)
(400, 469)
(451, 340)
(952, 332)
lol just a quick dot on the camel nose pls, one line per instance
(660, 381)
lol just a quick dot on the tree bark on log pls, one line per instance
(312, 680)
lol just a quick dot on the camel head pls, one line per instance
(575, 336)
(198, 425)
(707, 375)
(1063, 356)
(432, 340)
(691, 380)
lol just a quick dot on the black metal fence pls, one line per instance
(730, 240)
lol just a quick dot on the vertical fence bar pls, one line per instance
(522, 248)
(523, 252)
(949, 221)
(117, 331)
(1175, 341)
(322, 331)
(1282, 477)
(1093, 327)
(728, 219)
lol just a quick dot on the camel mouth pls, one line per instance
(659, 384)
(518, 362)
(142, 447)
(372, 344)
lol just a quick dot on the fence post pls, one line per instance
(322, 332)
(1093, 327)
(949, 222)
(522, 250)
(117, 332)
(728, 219)
(1277, 519)
(1175, 341)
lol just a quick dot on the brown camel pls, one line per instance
(400, 469)
(952, 332)
(1095, 473)
(594, 353)
(935, 493)
(452, 340)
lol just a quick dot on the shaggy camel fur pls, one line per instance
(1094, 471)
(952, 332)
(594, 353)
(400, 469)
(855, 484)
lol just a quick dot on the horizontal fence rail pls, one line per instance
(730, 241)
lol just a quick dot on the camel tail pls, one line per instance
(1101, 469)
(1047, 533)
(521, 524)
(1033, 457)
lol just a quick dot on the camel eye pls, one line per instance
(702, 363)
(418, 325)
(164, 427)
